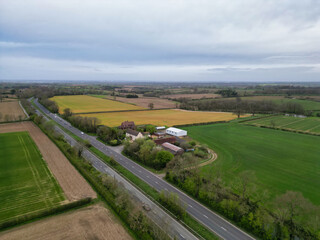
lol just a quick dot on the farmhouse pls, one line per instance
(160, 141)
(176, 132)
(127, 125)
(133, 134)
(175, 150)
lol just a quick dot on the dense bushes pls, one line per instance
(51, 105)
(44, 213)
(112, 136)
(86, 124)
(172, 202)
(290, 216)
(147, 152)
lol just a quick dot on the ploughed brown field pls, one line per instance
(11, 111)
(94, 222)
(192, 96)
(73, 184)
(144, 102)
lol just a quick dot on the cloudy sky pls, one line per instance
(153, 40)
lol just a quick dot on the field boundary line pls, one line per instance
(133, 110)
(25, 112)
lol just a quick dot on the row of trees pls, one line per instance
(147, 152)
(290, 216)
(288, 90)
(110, 190)
(227, 92)
(10, 117)
(242, 106)
(51, 105)
(86, 124)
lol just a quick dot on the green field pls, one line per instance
(26, 184)
(309, 125)
(281, 160)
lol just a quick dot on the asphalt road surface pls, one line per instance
(211, 220)
(156, 213)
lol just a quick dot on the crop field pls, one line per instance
(86, 104)
(72, 183)
(143, 102)
(93, 222)
(280, 160)
(11, 111)
(310, 124)
(26, 184)
(168, 117)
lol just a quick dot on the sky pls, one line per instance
(167, 40)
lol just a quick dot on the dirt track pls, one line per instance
(94, 222)
(73, 184)
(11, 111)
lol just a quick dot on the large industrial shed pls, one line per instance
(176, 132)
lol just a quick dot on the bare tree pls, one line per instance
(290, 207)
(245, 183)
(151, 105)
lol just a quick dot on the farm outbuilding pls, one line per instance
(176, 132)
(175, 150)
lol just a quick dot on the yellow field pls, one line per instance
(84, 104)
(161, 117)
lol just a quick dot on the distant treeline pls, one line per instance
(287, 89)
(242, 106)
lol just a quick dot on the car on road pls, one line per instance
(146, 207)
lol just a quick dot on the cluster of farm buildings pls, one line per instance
(164, 137)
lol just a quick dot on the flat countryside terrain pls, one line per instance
(280, 160)
(26, 184)
(309, 125)
(11, 111)
(72, 183)
(145, 101)
(85, 104)
(93, 222)
(168, 117)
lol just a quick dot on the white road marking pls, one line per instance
(148, 177)
(132, 166)
(190, 206)
(205, 216)
(224, 228)
(157, 182)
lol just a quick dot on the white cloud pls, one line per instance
(188, 33)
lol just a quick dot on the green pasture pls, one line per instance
(309, 124)
(26, 184)
(280, 160)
